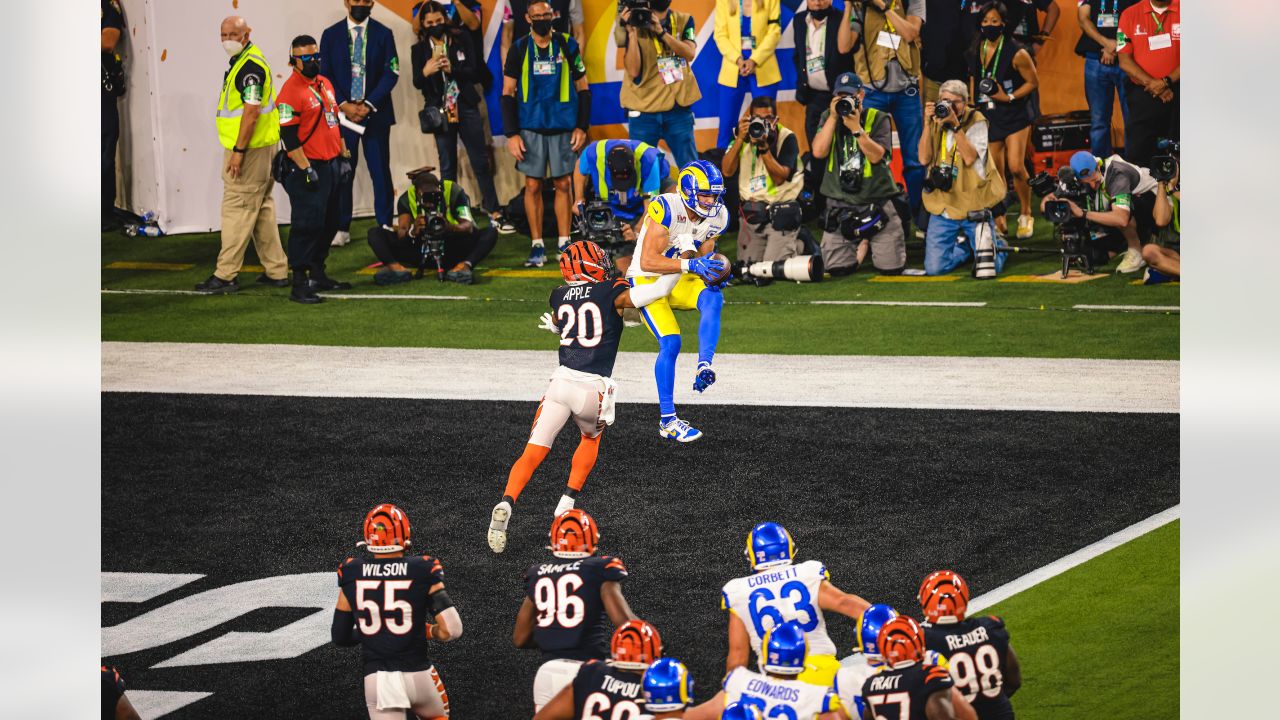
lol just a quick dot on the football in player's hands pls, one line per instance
(726, 270)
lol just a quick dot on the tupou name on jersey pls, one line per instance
(883, 682)
(774, 692)
(387, 570)
(577, 292)
(618, 687)
(973, 637)
(547, 568)
(766, 578)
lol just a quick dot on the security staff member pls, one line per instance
(769, 182)
(626, 173)
(818, 60)
(464, 244)
(249, 128)
(112, 89)
(309, 129)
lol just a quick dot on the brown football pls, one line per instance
(725, 273)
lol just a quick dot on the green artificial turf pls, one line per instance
(1021, 319)
(1101, 640)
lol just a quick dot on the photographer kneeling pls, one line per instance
(433, 230)
(769, 184)
(1164, 255)
(1124, 202)
(858, 184)
(622, 175)
(960, 187)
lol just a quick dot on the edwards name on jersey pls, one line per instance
(603, 691)
(590, 327)
(391, 601)
(903, 694)
(571, 620)
(780, 594)
(778, 697)
(975, 650)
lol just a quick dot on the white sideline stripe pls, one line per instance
(158, 703)
(901, 303)
(140, 587)
(339, 296)
(1078, 557)
(947, 383)
(1163, 308)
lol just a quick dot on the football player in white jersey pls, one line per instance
(778, 591)
(775, 692)
(864, 662)
(678, 227)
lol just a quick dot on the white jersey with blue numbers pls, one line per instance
(669, 211)
(778, 698)
(774, 596)
(854, 671)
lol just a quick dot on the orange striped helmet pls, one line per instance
(386, 529)
(901, 641)
(635, 645)
(584, 261)
(574, 534)
(944, 597)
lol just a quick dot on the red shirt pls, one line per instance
(300, 106)
(1154, 41)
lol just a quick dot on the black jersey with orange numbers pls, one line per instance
(392, 606)
(571, 620)
(903, 694)
(590, 327)
(112, 690)
(603, 691)
(975, 650)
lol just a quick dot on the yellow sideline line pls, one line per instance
(149, 266)
(914, 278)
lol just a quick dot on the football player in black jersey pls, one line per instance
(566, 602)
(587, 315)
(908, 688)
(399, 605)
(614, 688)
(115, 704)
(982, 662)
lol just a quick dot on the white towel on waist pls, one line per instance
(392, 694)
(610, 396)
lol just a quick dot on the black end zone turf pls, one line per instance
(240, 488)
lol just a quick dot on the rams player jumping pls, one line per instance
(676, 226)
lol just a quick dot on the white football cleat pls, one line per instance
(341, 239)
(498, 520)
(679, 430)
(565, 505)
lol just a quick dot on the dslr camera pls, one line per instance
(987, 87)
(641, 13)
(432, 228)
(845, 106)
(1165, 165)
(801, 268)
(757, 129)
(940, 178)
(941, 109)
(599, 225)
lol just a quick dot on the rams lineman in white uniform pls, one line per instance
(779, 591)
(675, 223)
(865, 660)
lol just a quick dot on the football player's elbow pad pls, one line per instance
(451, 621)
(343, 630)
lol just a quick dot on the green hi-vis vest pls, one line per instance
(548, 109)
(448, 202)
(231, 106)
(602, 187)
(877, 178)
(750, 167)
(1177, 213)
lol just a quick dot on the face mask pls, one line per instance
(541, 27)
(660, 5)
(820, 15)
(233, 47)
(992, 32)
(310, 69)
(436, 31)
(360, 13)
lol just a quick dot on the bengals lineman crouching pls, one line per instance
(613, 688)
(384, 605)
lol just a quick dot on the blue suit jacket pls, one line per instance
(382, 67)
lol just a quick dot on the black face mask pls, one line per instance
(992, 32)
(310, 69)
(437, 31)
(541, 27)
(360, 13)
(820, 15)
(660, 5)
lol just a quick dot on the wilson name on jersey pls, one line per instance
(975, 650)
(771, 597)
(391, 602)
(571, 619)
(603, 691)
(669, 211)
(778, 697)
(590, 326)
(903, 694)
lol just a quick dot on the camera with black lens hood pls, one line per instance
(940, 178)
(987, 88)
(641, 13)
(845, 106)
(757, 129)
(942, 109)
(598, 224)
(1164, 167)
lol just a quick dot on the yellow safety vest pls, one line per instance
(602, 185)
(412, 196)
(231, 106)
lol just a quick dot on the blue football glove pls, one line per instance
(705, 267)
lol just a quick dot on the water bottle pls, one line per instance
(134, 230)
(148, 217)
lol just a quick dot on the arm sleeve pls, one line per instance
(111, 16)
(289, 136)
(642, 295)
(882, 133)
(584, 110)
(343, 629)
(577, 69)
(614, 570)
(510, 115)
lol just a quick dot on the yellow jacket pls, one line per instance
(766, 29)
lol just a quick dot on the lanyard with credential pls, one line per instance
(1159, 23)
(657, 44)
(955, 145)
(887, 22)
(990, 70)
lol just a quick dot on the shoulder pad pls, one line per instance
(937, 674)
(343, 565)
(724, 600)
(660, 211)
(614, 564)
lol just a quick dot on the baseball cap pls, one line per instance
(1083, 164)
(848, 83)
(621, 160)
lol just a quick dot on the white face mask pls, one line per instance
(233, 47)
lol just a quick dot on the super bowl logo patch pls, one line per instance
(395, 65)
(286, 112)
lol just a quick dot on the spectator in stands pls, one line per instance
(659, 89)
(770, 179)
(546, 108)
(248, 128)
(446, 71)
(945, 42)
(856, 142)
(1025, 25)
(568, 20)
(1103, 76)
(1124, 202)
(746, 32)
(626, 174)
(963, 182)
(818, 60)
(113, 81)
(1163, 256)
(888, 62)
(1149, 43)
(410, 244)
(1004, 67)
(358, 55)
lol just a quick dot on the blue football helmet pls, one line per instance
(667, 686)
(869, 624)
(741, 711)
(697, 180)
(769, 545)
(784, 649)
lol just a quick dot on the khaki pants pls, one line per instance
(888, 247)
(767, 245)
(249, 211)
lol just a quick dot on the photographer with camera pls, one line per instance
(1123, 201)
(1164, 255)
(856, 142)
(623, 175)
(770, 181)
(433, 230)
(960, 187)
(659, 89)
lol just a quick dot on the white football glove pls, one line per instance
(549, 323)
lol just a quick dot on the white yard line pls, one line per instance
(1078, 557)
(1130, 308)
(962, 383)
(899, 303)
